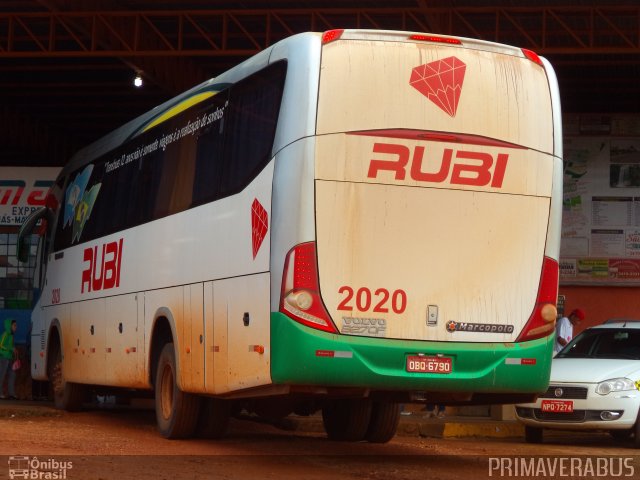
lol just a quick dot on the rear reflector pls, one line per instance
(520, 361)
(334, 353)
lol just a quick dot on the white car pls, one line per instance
(594, 385)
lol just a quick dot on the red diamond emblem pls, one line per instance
(259, 225)
(441, 82)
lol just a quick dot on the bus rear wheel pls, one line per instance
(176, 411)
(385, 417)
(347, 420)
(214, 418)
(66, 395)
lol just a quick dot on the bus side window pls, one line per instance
(250, 123)
(176, 178)
(208, 165)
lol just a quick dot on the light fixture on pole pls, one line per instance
(137, 81)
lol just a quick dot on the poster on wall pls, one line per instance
(601, 203)
(22, 190)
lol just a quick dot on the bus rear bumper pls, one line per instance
(491, 371)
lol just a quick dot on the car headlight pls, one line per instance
(614, 385)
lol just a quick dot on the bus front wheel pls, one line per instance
(176, 411)
(66, 395)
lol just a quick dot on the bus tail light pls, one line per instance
(331, 35)
(542, 321)
(533, 56)
(435, 38)
(300, 295)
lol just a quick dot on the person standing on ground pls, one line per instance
(7, 354)
(564, 328)
(434, 410)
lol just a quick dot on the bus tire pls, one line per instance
(383, 425)
(347, 420)
(176, 411)
(532, 434)
(66, 395)
(214, 418)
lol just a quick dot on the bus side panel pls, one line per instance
(183, 308)
(43, 318)
(237, 333)
(124, 347)
(245, 303)
(216, 347)
(194, 332)
(85, 355)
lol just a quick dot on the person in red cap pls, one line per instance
(564, 328)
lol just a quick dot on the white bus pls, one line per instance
(344, 222)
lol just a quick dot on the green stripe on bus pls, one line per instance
(304, 356)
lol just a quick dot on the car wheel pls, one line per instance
(621, 434)
(636, 432)
(532, 434)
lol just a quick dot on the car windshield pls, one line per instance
(615, 343)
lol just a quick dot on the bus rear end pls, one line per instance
(434, 271)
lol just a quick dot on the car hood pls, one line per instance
(590, 370)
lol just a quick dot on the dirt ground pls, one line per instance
(123, 443)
